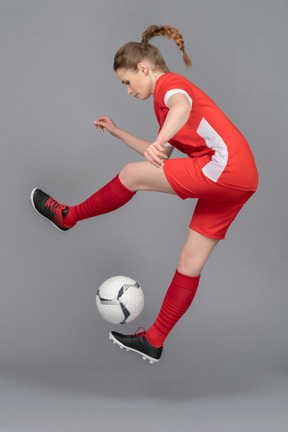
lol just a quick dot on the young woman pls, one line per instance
(220, 171)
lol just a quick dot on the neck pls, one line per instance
(154, 75)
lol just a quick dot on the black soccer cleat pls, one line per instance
(137, 343)
(50, 208)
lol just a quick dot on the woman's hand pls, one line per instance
(104, 122)
(155, 154)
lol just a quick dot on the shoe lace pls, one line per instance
(140, 334)
(55, 206)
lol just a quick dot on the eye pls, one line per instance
(126, 83)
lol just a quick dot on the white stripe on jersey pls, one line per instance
(174, 91)
(216, 166)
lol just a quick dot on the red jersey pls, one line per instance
(208, 132)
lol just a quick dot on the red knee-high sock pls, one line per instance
(109, 198)
(178, 298)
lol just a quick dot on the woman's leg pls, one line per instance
(183, 287)
(195, 253)
(142, 176)
(177, 300)
(132, 178)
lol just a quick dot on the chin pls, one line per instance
(144, 97)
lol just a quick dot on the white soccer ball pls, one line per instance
(120, 300)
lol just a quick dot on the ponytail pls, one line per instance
(170, 33)
(132, 53)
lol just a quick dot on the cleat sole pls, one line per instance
(115, 341)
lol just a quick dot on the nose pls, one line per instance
(129, 90)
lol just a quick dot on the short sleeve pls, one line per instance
(175, 91)
(169, 85)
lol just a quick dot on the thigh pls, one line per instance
(186, 177)
(142, 176)
(217, 205)
(213, 218)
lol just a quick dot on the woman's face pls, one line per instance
(138, 83)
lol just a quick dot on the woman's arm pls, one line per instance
(177, 117)
(137, 144)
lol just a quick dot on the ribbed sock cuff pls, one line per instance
(120, 190)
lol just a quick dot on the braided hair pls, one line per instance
(132, 53)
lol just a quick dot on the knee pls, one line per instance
(127, 176)
(190, 263)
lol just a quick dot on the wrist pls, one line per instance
(161, 141)
(117, 132)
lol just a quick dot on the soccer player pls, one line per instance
(217, 168)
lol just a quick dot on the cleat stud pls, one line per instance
(121, 347)
(127, 349)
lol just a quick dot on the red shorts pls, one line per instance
(217, 205)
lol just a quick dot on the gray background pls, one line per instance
(225, 365)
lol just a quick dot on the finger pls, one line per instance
(153, 160)
(156, 156)
(101, 125)
(100, 122)
(160, 153)
(163, 156)
(148, 157)
(156, 165)
(101, 118)
(153, 163)
(159, 147)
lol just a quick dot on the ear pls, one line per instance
(143, 68)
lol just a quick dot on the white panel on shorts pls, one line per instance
(167, 144)
(213, 140)
(174, 91)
